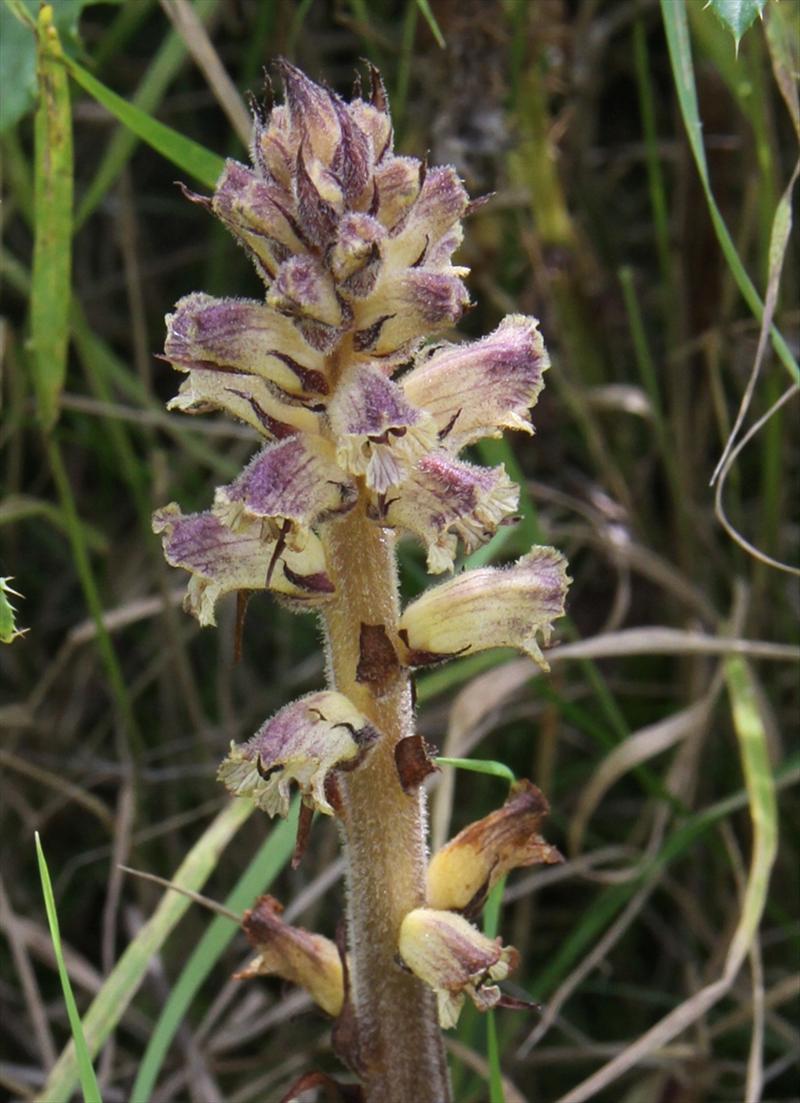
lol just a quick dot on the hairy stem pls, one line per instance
(399, 1044)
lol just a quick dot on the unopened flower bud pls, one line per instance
(320, 200)
(464, 871)
(454, 959)
(372, 118)
(489, 607)
(304, 291)
(294, 954)
(312, 111)
(355, 259)
(397, 185)
(274, 150)
(442, 202)
(352, 158)
(256, 214)
(301, 744)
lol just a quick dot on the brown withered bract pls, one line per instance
(304, 821)
(294, 954)
(412, 757)
(335, 1092)
(377, 662)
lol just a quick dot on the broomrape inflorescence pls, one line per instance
(363, 425)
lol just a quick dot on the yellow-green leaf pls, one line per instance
(52, 250)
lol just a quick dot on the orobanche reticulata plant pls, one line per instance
(363, 421)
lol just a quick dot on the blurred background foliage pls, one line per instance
(670, 714)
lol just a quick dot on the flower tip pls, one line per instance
(164, 518)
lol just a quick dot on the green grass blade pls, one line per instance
(122, 984)
(189, 156)
(52, 249)
(91, 592)
(296, 26)
(161, 72)
(88, 1081)
(266, 865)
(496, 1092)
(124, 27)
(407, 35)
(430, 19)
(491, 922)
(677, 31)
(479, 766)
(456, 673)
(759, 796)
(655, 177)
(611, 900)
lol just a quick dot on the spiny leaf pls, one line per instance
(8, 626)
(52, 250)
(737, 15)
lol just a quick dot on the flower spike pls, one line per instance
(355, 248)
(302, 743)
(490, 607)
(454, 959)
